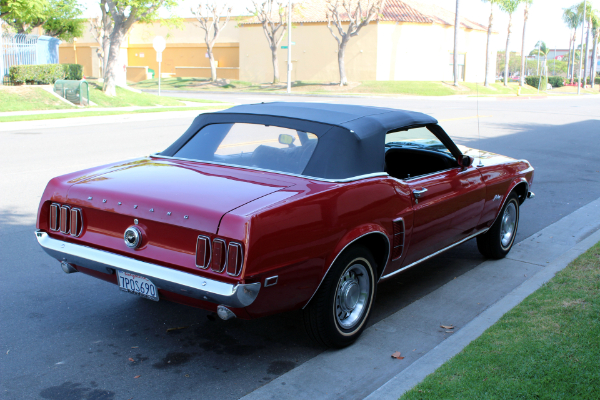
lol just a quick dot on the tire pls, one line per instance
(338, 313)
(497, 242)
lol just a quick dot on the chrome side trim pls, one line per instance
(341, 251)
(198, 287)
(434, 254)
(313, 178)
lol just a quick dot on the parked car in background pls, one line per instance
(266, 208)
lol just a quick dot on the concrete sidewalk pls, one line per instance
(471, 302)
(87, 109)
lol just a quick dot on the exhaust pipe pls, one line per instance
(225, 313)
(68, 268)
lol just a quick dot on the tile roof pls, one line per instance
(394, 11)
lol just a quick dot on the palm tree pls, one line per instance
(526, 16)
(509, 7)
(541, 50)
(489, 36)
(456, 29)
(571, 18)
(596, 32)
(587, 15)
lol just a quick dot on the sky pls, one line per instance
(545, 19)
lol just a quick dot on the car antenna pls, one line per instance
(478, 128)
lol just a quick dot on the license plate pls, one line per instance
(136, 284)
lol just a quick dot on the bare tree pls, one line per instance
(101, 27)
(124, 14)
(209, 19)
(358, 13)
(272, 16)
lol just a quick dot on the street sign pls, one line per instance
(285, 47)
(159, 45)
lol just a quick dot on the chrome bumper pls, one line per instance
(235, 296)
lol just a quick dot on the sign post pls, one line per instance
(159, 45)
(289, 49)
(1, 57)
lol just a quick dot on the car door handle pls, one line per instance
(419, 193)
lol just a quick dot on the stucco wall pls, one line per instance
(314, 56)
(422, 52)
(86, 56)
(183, 55)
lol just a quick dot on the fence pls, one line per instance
(17, 49)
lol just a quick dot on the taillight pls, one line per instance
(203, 252)
(76, 222)
(219, 255)
(54, 217)
(234, 259)
(64, 219)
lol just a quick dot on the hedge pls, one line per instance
(45, 73)
(555, 81)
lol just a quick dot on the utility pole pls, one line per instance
(581, 58)
(289, 69)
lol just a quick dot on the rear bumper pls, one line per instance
(235, 296)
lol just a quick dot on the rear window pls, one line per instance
(252, 145)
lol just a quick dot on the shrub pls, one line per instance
(45, 74)
(556, 81)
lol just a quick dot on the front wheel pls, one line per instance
(337, 314)
(497, 242)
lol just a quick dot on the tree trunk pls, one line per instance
(522, 77)
(213, 65)
(112, 62)
(456, 29)
(341, 62)
(275, 65)
(574, 50)
(584, 55)
(105, 50)
(595, 60)
(487, 49)
(569, 61)
(506, 55)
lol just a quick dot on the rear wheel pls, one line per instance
(497, 242)
(337, 314)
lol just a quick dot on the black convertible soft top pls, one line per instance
(351, 138)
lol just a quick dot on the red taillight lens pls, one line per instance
(54, 217)
(219, 255)
(76, 222)
(234, 259)
(203, 252)
(64, 219)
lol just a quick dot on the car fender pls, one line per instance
(517, 181)
(347, 240)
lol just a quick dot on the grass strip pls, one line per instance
(29, 98)
(548, 347)
(37, 117)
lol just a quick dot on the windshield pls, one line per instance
(416, 138)
(252, 145)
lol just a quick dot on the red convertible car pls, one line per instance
(265, 208)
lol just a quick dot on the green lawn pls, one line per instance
(415, 88)
(127, 98)
(92, 113)
(26, 98)
(548, 347)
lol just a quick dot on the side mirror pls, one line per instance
(466, 161)
(284, 138)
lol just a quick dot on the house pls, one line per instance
(408, 41)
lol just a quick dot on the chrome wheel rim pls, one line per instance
(509, 224)
(352, 295)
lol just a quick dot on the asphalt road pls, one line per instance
(73, 337)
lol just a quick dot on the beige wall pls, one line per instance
(401, 57)
(86, 56)
(314, 56)
(190, 33)
(204, 72)
(137, 74)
